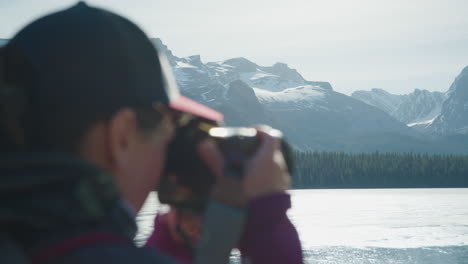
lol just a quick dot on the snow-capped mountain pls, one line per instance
(379, 98)
(453, 118)
(420, 107)
(274, 79)
(436, 113)
(311, 114)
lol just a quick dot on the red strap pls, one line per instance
(64, 247)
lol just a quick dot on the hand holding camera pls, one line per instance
(264, 172)
(232, 165)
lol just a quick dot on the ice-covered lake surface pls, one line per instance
(354, 226)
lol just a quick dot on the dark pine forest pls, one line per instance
(378, 170)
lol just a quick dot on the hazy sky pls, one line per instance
(397, 45)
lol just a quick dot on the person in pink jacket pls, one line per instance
(268, 236)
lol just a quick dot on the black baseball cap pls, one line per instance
(89, 56)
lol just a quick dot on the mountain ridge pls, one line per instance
(311, 114)
(415, 108)
(453, 118)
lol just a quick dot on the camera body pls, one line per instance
(187, 181)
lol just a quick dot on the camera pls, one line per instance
(187, 181)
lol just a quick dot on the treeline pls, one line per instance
(378, 170)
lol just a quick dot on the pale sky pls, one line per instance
(397, 45)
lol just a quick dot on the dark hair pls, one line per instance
(24, 128)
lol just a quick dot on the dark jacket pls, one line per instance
(47, 200)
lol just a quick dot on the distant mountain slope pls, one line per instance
(420, 106)
(417, 108)
(453, 118)
(379, 98)
(311, 114)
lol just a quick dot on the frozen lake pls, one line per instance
(354, 226)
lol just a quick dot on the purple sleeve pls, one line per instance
(269, 237)
(162, 241)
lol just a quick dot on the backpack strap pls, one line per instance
(83, 240)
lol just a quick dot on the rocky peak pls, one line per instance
(280, 66)
(284, 71)
(323, 85)
(239, 87)
(157, 42)
(379, 98)
(241, 94)
(380, 91)
(453, 118)
(424, 93)
(242, 64)
(461, 82)
(420, 106)
(419, 91)
(195, 60)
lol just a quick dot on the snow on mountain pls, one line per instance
(416, 108)
(267, 81)
(311, 114)
(189, 71)
(275, 78)
(453, 118)
(379, 98)
(420, 106)
(294, 98)
(422, 123)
